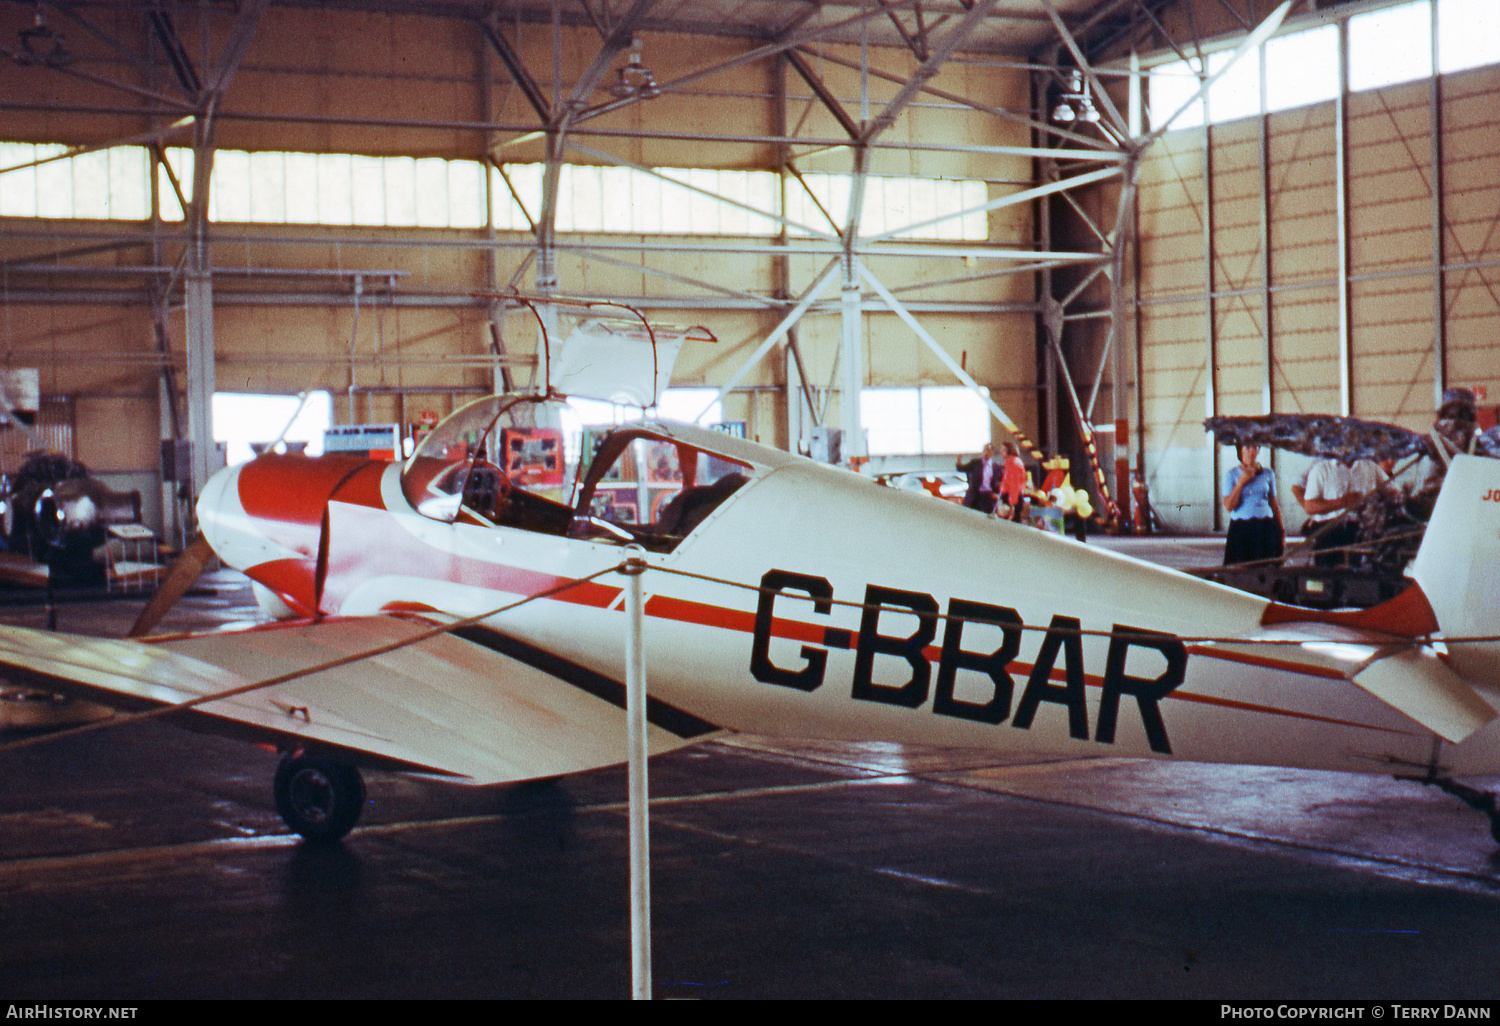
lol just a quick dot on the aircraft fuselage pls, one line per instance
(822, 605)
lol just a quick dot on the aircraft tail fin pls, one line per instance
(1458, 568)
(1456, 598)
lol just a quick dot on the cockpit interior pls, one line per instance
(496, 462)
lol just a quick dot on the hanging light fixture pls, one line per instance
(41, 45)
(635, 79)
(1076, 102)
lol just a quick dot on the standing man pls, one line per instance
(984, 480)
(1371, 475)
(1327, 492)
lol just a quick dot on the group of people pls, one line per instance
(1328, 489)
(1325, 492)
(992, 480)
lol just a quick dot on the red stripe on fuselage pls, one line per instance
(366, 543)
(1238, 706)
(1267, 662)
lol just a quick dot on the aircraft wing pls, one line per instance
(483, 708)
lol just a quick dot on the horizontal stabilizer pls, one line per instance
(1419, 684)
(1408, 677)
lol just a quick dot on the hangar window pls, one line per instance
(1390, 45)
(1386, 46)
(1173, 85)
(334, 189)
(39, 180)
(1236, 93)
(927, 208)
(927, 420)
(1468, 34)
(679, 201)
(1302, 68)
(246, 423)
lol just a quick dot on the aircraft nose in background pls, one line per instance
(245, 538)
(218, 505)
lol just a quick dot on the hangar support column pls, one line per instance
(851, 360)
(198, 296)
(198, 282)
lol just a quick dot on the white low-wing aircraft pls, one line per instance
(783, 597)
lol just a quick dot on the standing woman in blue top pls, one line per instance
(1255, 530)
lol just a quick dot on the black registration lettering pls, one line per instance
(1062, 633)
(1146, 690)
(956, 658)
(914, 692)
(772, 584)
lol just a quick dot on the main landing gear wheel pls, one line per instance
(319, 799)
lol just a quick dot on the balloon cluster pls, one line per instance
(1071, 500)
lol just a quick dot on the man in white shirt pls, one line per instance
(1325, 493)
(1369, 475)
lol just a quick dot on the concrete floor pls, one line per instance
(147, 862)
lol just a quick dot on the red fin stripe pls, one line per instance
(1408, 615)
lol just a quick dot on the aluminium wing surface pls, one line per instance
(483, 709)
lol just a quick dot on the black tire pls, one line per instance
(318, 798)
(1495, 827)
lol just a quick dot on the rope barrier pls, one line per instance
(1303, 546)
(1080, 632)
(634, 565)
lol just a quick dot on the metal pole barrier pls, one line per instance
(640, 836)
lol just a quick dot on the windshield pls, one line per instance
(471, 463)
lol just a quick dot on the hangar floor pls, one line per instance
(146, 862)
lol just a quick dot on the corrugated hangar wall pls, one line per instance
(1229, 326)
(331, 81)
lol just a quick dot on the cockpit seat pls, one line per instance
(689, 507)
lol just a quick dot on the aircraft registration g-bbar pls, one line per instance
(785, 598)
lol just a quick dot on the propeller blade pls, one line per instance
(180, 576)
(1262, 32)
